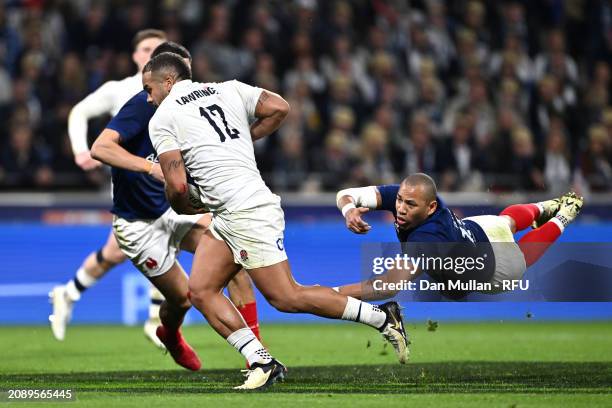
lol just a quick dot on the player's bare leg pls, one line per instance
(240, 288)
(242, 295)
(276, 283)
(365, 290)
(213, 267)
(94, 267)
(175, 287)
(211, 273)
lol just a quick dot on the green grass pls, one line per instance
(485, 364)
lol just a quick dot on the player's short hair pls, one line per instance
(422, 179)
(168, 63)
(171, 46)
(146, 34)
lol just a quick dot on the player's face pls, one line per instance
(142, 53)
(411, 206)
(157, 87)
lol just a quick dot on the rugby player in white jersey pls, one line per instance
(148, 231)
(207, 130)
(108, 99)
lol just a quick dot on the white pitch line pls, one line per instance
(26, 289)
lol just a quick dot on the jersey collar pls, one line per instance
(184, 84)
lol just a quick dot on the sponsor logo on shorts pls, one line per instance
(244, 255)
(151, 263)
(280, 245)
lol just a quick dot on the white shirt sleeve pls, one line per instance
(249, 96)
(163, 132)
(95, 104)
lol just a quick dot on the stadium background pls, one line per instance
(502, 101)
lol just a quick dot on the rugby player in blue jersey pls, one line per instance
(422, 218)
(148, 231)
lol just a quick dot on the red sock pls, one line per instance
(536, 242)
(522, 214)
(249, 314)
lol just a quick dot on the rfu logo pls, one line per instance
(280, 245)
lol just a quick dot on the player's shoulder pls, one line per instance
(121, 84)
(139, 99)
(163, 114)
(135, 80)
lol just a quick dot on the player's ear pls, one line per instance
(168, 82)
(433, 206)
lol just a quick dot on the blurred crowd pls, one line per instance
(484, 95)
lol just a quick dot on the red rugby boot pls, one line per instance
(181, 352)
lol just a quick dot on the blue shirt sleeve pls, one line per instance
(388, 193)
(133, 118)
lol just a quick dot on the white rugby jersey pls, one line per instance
(210, 124)
(107, 99)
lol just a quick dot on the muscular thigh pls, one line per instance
(173, 284)
(274, 281)
(111, 251)
(191, 239)
(213, 264)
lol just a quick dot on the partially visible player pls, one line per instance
(207, 130)
(422, 217)
(148, 231)
(107, 99)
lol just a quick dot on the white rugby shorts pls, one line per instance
(509, 259)
(255, 235)
(152, 245)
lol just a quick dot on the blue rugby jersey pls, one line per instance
(442, 226)
(436, 236)
(136, 195)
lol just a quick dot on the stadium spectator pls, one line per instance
(502, 65)
(595, 167)
(25, 163)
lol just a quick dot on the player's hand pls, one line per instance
(86, 162)
(355, 223)
(156, 172)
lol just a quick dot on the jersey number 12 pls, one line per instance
(216, 111)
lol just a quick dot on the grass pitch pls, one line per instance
(481, 364)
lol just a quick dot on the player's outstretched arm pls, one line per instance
(270, 111)
(175, 174)
(107, 149)
(354, 202)
(95, 104)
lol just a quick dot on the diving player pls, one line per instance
(148, 231)
(107, 99)
(207, 130)
(422, 217)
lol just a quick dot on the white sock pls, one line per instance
(81, 281)
(362, 312)
(156, 300)
(247, 344)
(153, 310)
(560, 221)
(540, 207)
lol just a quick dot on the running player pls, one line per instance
(107, 99)
(207, 130)
(148, 231)
(422, 217)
